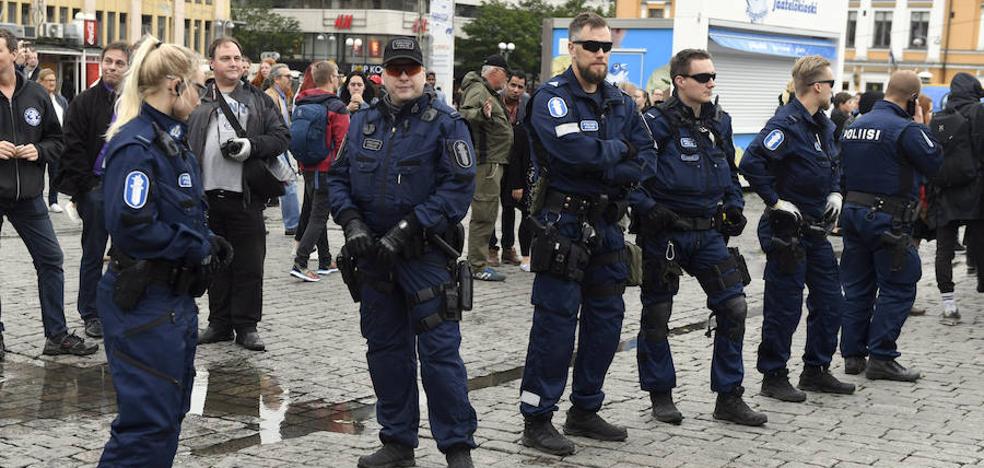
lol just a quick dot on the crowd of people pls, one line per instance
(174, 167)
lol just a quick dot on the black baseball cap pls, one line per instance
(403, 48)
(496, 60)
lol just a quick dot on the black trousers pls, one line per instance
(946, 242)
(312, 228)
(509, 228)
(235, 299)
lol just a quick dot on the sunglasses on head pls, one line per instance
(397, 70)
(829, 82)
(702, 77)
(595, 46)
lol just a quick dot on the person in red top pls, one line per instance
(315, 209)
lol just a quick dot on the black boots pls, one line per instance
(855, 365)
(663, 408)
(214, 334)
(819, 379)
(539, 433)
(730, 407)
(459, 457)
(589, 424)
(890, 370)
(776, 385)
(389, 456)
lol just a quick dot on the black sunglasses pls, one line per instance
(830, 82)
(594, 46)
(702, 77)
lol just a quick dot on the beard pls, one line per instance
(591, 76)
(825, 105)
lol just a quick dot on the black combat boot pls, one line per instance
(730, 407)
(460, 457)
(819, 379)
(855, 365)
(776, 385)
(389, 456)
(890, 370)
(539, 433)
(589, 424)
(663, 408)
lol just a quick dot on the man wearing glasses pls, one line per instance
(792, 164)
(693, 204)
(399, 188)
(590, 147)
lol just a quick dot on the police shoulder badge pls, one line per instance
(774, 139)
(136, 189)
(462, 155)
(32, 116)
(557, 107)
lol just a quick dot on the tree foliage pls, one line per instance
(522, 25)
(259, 29)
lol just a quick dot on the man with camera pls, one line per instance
(235, 123)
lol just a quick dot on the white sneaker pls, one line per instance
(54, 208)
(525, 267)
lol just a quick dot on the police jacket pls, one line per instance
(418, 161)
(794, 158)
(695, 168)
(154, 204)
(883, 149)
(492, 136)
(964, 202)
(28, 118)
(581, 140)
(86, 121)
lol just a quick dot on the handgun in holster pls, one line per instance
(348, 267)
(458, 296)
(899, 242)
(786, 241)
(131, 283)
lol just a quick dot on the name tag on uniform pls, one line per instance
(184, 180)
(589, 125)
(372, 144)
(687, 142)
(690, 157)
(870, 134)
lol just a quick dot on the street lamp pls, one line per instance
(505, 49)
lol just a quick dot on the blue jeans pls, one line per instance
(290, 207)
(94, 237)
(30, 219)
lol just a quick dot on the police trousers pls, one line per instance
(389, 324)
(783, 305)
(151, 354)
(877, 299)
(560, 306)
(696, 252)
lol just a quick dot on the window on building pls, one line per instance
(918, 29)
(162, 28)
(197, 37)
(852, 28)
(870, 86)
(465, 11)
(11, 13)
(75, 13)
(123, 26)
(63, 15)
(208, 32)
(49, 14)
(187, 40)
(146, 24)
(99, 28)
(656, 13)
(25, 14)
(883, 29)
(110, 26)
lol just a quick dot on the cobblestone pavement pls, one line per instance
(307, 400)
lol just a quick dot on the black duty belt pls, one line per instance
(579, 205)
(158, 271)
(896, 207)
(219, 193)
(694, 224)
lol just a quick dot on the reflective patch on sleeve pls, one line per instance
(529, 398)
(135, 189)
(928, 141)
(774, 139)
(567, 128)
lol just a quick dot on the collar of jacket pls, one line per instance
(409, 108)
(799, 111)
(674, 105)
(18, 85)
(609, 93)
(891, 107)
(239, 93)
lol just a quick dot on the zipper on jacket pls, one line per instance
(384, 180)
(13, 131)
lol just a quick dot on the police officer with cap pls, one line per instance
(590, 148)
(691, 204)
(792, 164)
(399, 188)
(883, 154)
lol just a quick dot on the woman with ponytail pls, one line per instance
(162, 255)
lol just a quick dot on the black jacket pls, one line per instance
(964, 202)
(28, 118)
(86, 121)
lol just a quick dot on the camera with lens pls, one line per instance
(231, 147)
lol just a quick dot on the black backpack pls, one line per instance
(955, 131)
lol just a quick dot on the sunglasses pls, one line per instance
(702, 77)
(396, 71)
(595, 46)
(829, 82)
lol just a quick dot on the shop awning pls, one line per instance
(49, 49)
(773, 44)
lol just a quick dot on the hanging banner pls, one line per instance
(441, 28)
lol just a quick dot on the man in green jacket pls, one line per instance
(492, 135)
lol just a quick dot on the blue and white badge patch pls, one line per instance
(184, 180)
(462, 155)
(175, 132)
(557, 107)
(589, 125)
(136, 189)
(689, 143)
(32, 116)
(774, 139)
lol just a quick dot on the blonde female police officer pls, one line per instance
(162, 253)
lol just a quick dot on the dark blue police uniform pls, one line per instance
(696, 180)
(794, 159)
(419, 163)
(883, 153)
(583, 148)
(155, 211)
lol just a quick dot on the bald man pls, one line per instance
(883, 154)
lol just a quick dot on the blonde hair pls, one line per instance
(807, 70)
(44, 74)
(151, 64)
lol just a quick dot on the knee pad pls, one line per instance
(735, 310)
(655, 322)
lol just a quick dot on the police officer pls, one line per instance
(695, 192)
(399, 188)
(792, 165)
(881, 152)
(162, 249)
(589, 148)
